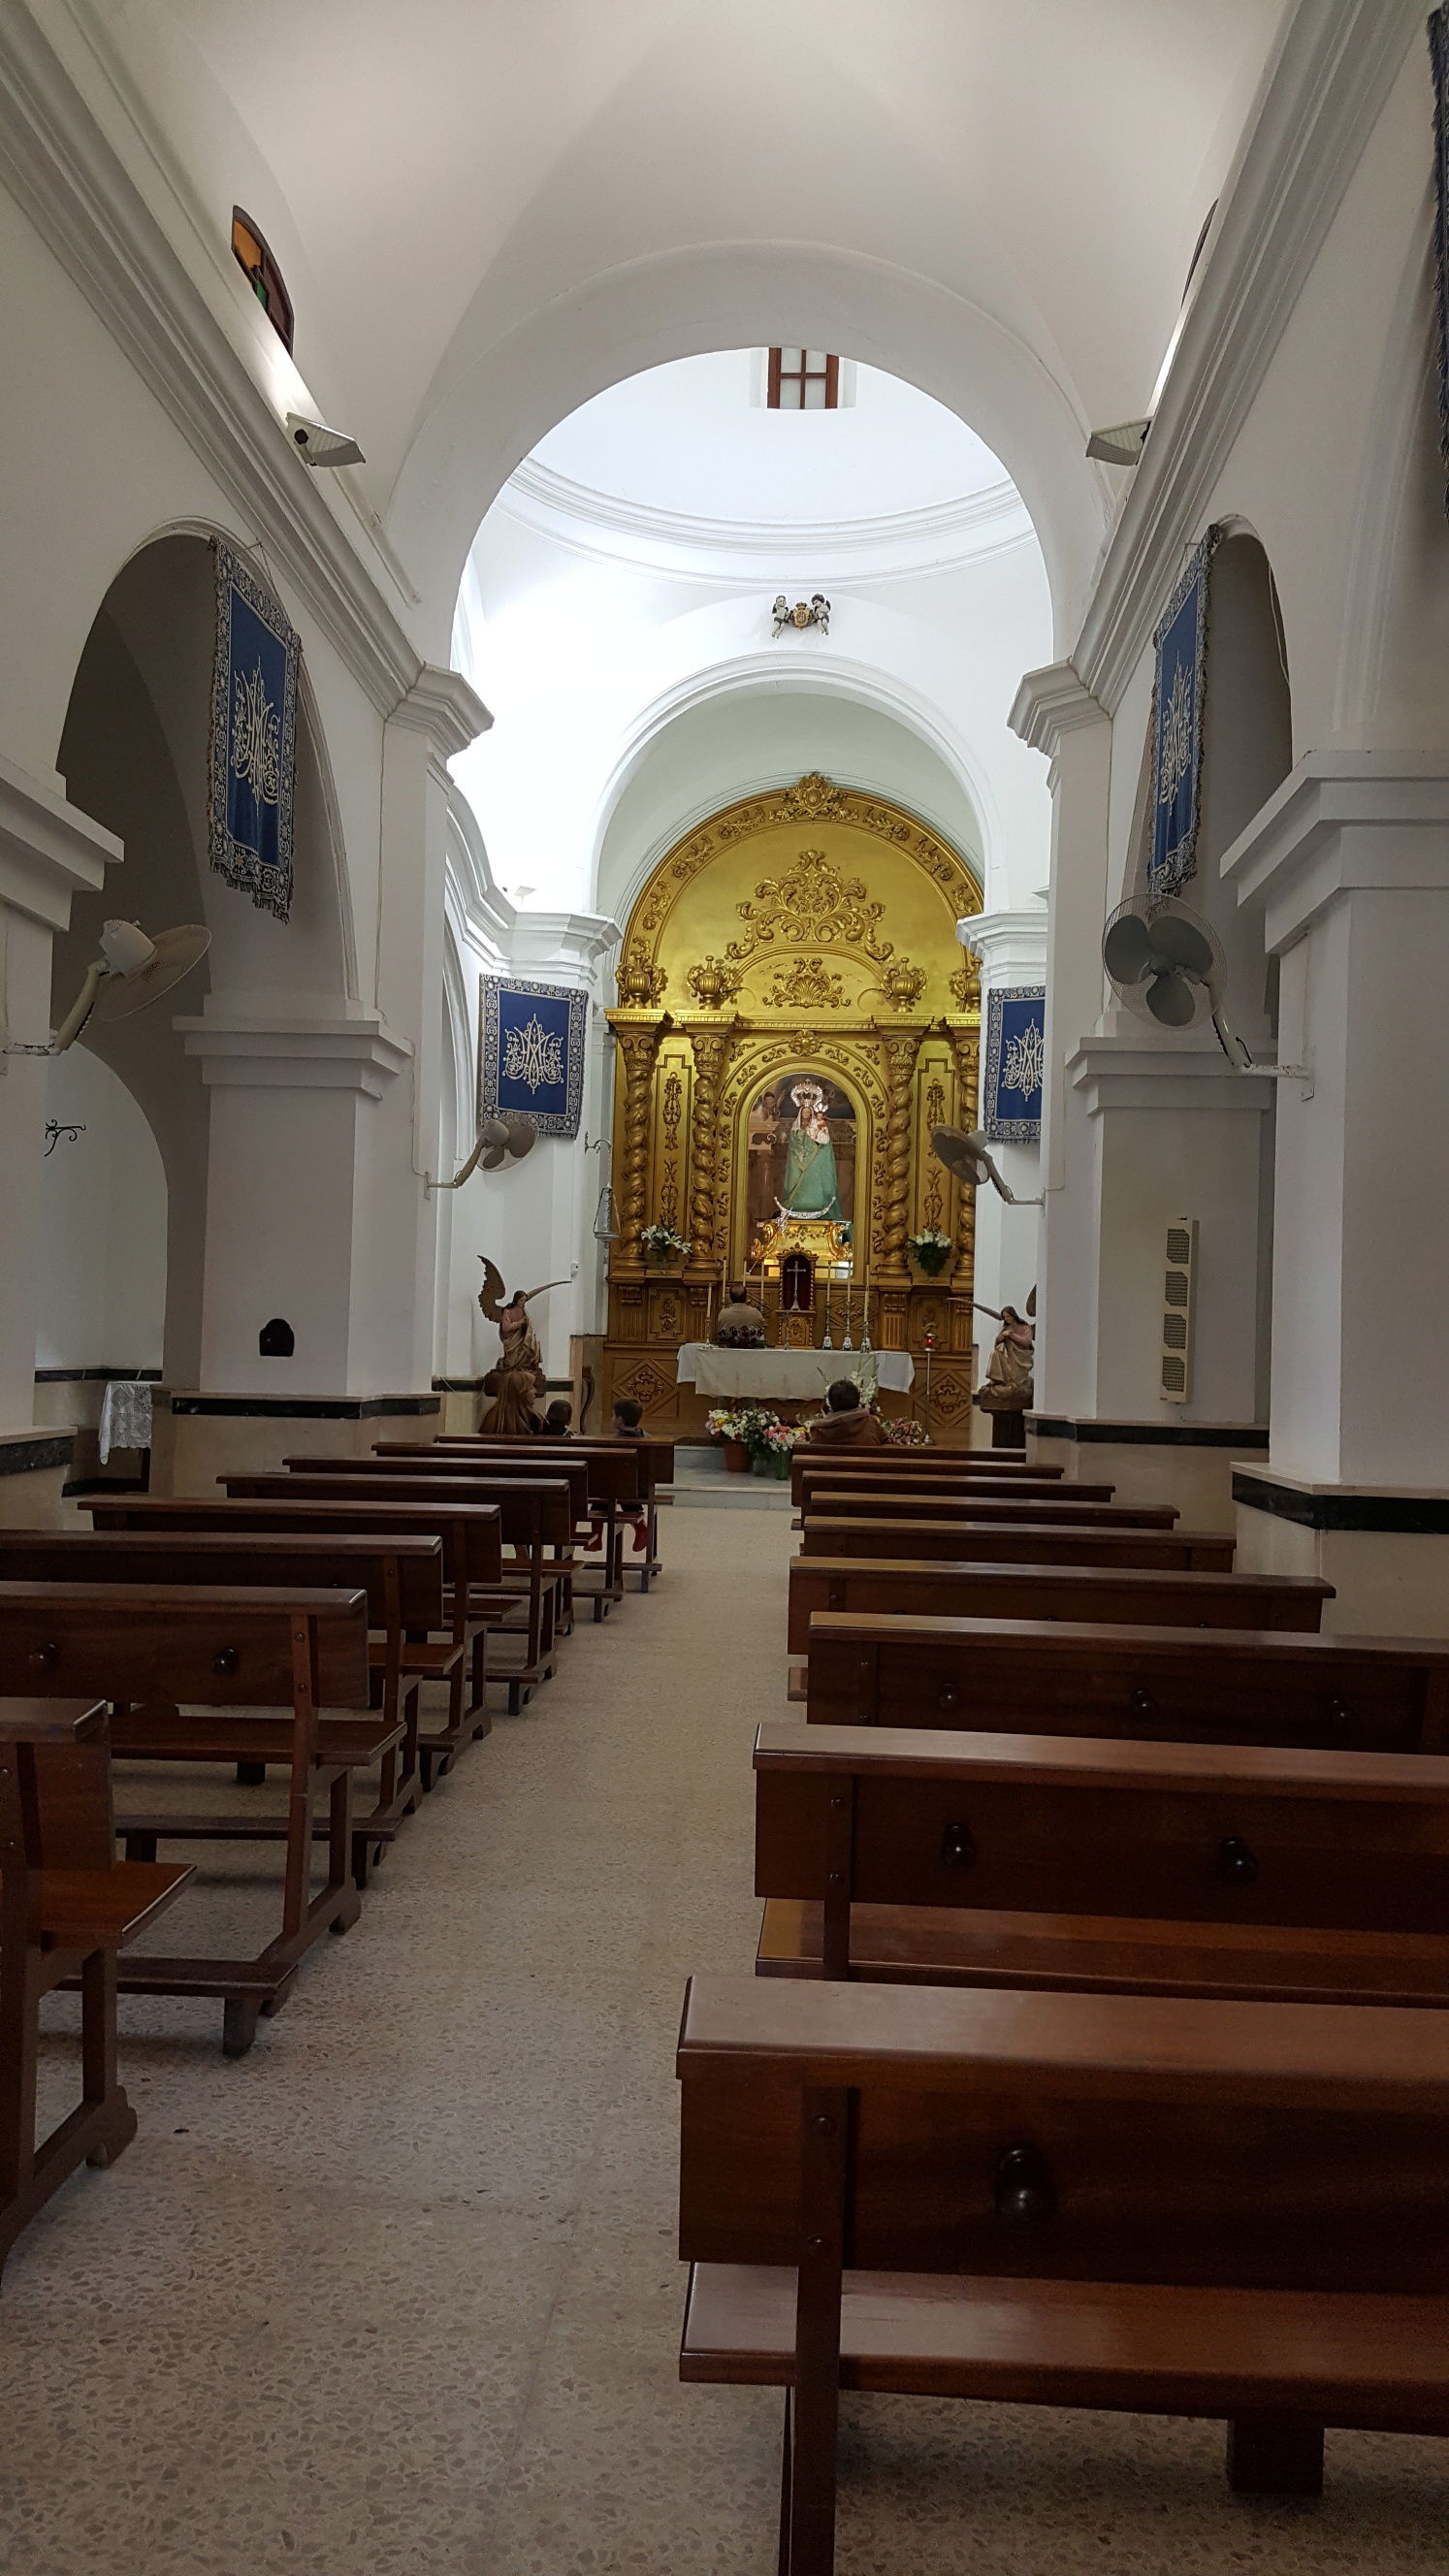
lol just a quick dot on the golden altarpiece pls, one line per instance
(794, 1016)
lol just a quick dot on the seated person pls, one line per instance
(558, 1422)
(627, 1424)
(846, 1423)
(738, 1321)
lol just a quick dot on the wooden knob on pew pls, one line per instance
(1022, 2188)
(1143, 1703)
(958, 1847)
(948, 1696)
(1237, 1866)
(226, 1660)
(45, 1658)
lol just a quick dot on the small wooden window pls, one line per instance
(263, 273)
(803, 380)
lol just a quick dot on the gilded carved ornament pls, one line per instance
(713, 983)
(814, 904)
(640, 984)
(807, 985)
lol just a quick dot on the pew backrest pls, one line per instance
(982, 1543)
(424, 1465)
(1054, 1511)
(402, 1577)
(517, 1512)
(1089, 1827)
(1052, 1677)
(288, 1514)
(1118, 1596)
(222, 1647)
(1103, 2138)
(956, 1465)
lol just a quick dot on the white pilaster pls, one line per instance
(1055, 714)
(1012, 947)
(1350, 865)
(49, 851)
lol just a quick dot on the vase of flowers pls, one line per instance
(723, 1426)
(756, 1422)
(777, 1448)
(904, 1432)
(662, 1244)
(930, 1251)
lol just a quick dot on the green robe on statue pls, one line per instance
(812, 1184)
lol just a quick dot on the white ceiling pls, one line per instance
(441, 180)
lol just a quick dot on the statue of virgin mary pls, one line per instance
(812, 1184)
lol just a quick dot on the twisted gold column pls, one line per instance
(900, 1049)
(638, 1047)
(711, 1050)
(966, 1048)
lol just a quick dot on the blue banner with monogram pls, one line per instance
(531, 1052)
(1177, 708)
(1439, 60)
(251, 788)
(1015, 1065)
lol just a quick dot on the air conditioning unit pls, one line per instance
(1178, 1297)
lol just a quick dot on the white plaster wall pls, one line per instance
(101, 1247)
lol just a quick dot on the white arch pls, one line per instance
(829, 675)
(490, 405)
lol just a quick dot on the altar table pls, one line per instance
(784, 1377)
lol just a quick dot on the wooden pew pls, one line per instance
(955, 1466)
(67, 1908)
(534, 1517)
(1181, 2207)
(219, 1676)
(1051, 1677)
(467, 1533)
(984, 1543)
(403, 1581)
(844, 1502)
(968, 1493)
(654, 1460)
(919, 1856)
(593, 1494)
(1125, 1596)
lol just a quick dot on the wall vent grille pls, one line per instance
(1178, 1298)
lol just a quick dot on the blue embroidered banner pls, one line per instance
(253, 737)
(1015, 1066)
(1439, 60)
(1181, 642)
(531, 1052)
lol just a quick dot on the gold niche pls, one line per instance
(827, 1020)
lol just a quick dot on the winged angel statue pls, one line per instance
(516, 1383)
(965, 1154)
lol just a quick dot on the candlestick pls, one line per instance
(847, 1344)
(865, 1333)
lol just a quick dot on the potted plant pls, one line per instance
(930, 1251)
(777, 1448)
(723, 1426)
(756, 1422)
(661, 1244)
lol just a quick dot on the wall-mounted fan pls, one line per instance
(965, 1155)
(130, 972)
(502, 1138)
(1166, 963)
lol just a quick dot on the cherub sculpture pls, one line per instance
(517, 1384)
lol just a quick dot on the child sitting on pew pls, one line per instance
(558, 1422)
(627, 1424)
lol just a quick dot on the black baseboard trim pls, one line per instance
(26, 1456)
(303, 1408)
(1396, 1515)
(85, 1376)
(1149, 1435)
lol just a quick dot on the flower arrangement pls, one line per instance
(662, 1243)
(930, 1250)
(740, 1337)
(904, 1432)
(723, 1423)
(777, 1447)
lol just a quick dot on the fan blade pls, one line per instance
(1180, 944)
(1172, 999)
(1127, 949)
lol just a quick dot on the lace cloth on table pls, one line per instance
(125, 1416)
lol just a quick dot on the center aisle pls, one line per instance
(398, 2293)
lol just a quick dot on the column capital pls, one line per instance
(1123, 1073)
(49, 849)
(1010, 944)
(296, 1051)
(441, 705)
(567, 944)
(1343, 822)
(1051, 703)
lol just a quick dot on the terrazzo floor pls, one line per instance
(397, 2295)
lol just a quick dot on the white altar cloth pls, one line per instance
(783, 1377)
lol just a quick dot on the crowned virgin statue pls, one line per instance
(812, 1184)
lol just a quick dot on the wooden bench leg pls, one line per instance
(1275, 2455)
(100, 2074)
(239, 2017)
(251, 1775)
